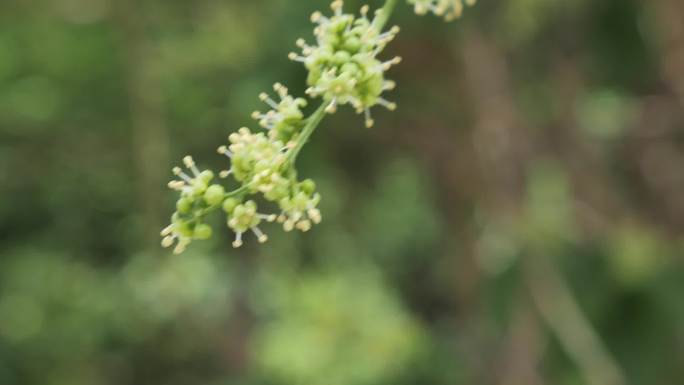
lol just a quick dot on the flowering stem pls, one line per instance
(356, 76)
(238, 191)
(385, 12)
(311, 124)
(316, 118)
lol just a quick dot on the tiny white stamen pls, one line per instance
(387, 104)
(268, 217)
(315, 215)
(304, 225)
(176, 185)
(167, 241)
(369, 120)
(332, 107)
(166, 230)
(259, 234)
(238, 240)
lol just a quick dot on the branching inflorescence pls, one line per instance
(449, 9)
(344, 69)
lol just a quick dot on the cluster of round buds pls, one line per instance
(260, 163)
(300, 209)
(285, 119)
(256, 161)
(197, 195)
(243, 217)
(449, 9)
(343, 65)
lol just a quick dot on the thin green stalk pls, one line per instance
(385, 13)
(311, 124)
(237, 192)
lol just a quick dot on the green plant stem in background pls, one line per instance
(385, 13)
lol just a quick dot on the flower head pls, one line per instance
(197, 195)
(256, 160)
(243, 217)
(343, 65)
(300, 209)
(285, 119)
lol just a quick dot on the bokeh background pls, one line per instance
(518, 220)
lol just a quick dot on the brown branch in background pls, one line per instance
(655, 158)
(499, 136)
(671, 21)
(522, 349)
(597, 208)
(447, 155)
(645, 147)
(503, 143)
(149, 134)
(498, 139)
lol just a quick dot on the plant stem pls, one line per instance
(382, 17)
(237, 192)
(312, 122)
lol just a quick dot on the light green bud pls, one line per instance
(308, 186)
(183, 228)
(202, 231)
(230, 204)
(214, 194)
(206, 176)
(184, 205)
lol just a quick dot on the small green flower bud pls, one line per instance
(206, 176)
(214, 194)
(342, 57)
(308, 186)
(183, 228)
(202, 231)
(353, 44)
(184, 205)
(350, 69)
(230, 204)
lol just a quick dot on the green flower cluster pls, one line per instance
(343, 65)
(344, 68)
(261, 165)
(286, 117)
(449, 9)
(197, 197)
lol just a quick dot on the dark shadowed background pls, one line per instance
(517, 221)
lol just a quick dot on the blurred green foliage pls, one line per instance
(530, 135)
